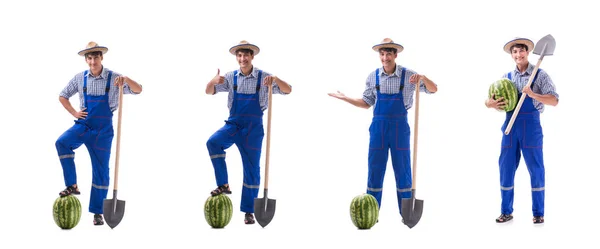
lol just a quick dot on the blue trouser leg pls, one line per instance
(217, 144)
(534, 158)
(510, 155)
(250, 145)
(535, 165)
(378, 156)
(99, 147)
(401, 161)
(65, 146)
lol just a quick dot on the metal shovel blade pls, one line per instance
(545, 46)
(412, 209)
(264, 210)
(114, 210)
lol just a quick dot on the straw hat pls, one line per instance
(244, 45)
(93, 47)
(388, 43)
(518, 40)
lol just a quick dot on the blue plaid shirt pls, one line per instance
(96, 86)
(247, 85)
(390, 84)
(542, 85)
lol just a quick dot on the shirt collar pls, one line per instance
(396, 72)
(528, 71)
(253, 73)
(103, 74)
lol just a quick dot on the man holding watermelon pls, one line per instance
(526, 135)
(387, 90)
(247, 99)
(98, 90)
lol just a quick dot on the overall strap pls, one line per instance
(85, 88)
(258, 81)
(108, 83)
(402, 79)
(377, 79)
(235, 81)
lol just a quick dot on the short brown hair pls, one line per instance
(245, 51)
(95, 53)
(519, 45)
(391, 50)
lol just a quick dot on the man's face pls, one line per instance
(244, 59)
(387, 58)
(94, 61)
(519, 54)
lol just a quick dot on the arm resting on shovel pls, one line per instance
(283, 86)
(133, 85)
(430, 86)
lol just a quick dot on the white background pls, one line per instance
(319, 144)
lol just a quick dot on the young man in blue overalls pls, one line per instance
(526, 134)
(98, 90)
(389, 130)
(247, 100)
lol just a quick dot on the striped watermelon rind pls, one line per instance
(67, 211)
(364, 211)
(218, 211)
(507, 89)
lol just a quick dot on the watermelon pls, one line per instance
(67, 211)
(218, 211)
(505, 88)
(364, 211)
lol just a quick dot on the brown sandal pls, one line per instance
(538, 219)
(70, 190)
(221, 190)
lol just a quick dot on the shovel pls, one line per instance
(264, 208)
(544, 46)
(114, 209)
(412, 208)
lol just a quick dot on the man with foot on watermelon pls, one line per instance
(526, 133)
(248, 94)
(98, 90)
(390, 89)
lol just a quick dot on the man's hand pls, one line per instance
(120, 80)
(218, 79)
(530, 93)
(338, 95)
(80, 114)
(415, 78)
(269, 80)
(497, 104)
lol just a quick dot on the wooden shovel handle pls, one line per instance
(116, 184)
(416, 136)
(270, 107)
(522, 99)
